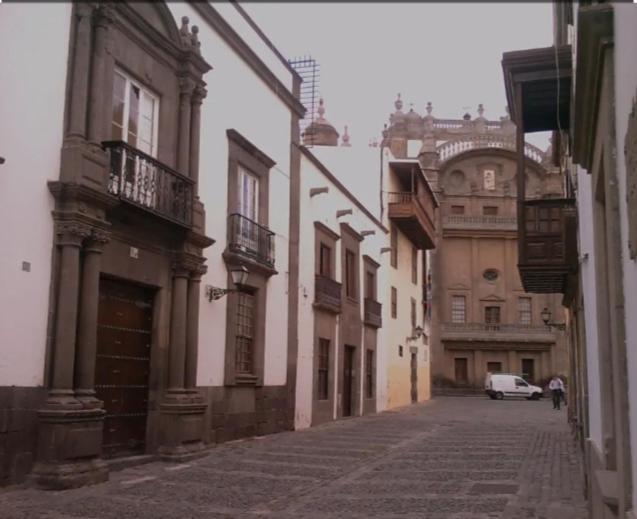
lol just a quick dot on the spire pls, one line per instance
(398, 103)
(429, 108)
(345, 138)
(480, 110)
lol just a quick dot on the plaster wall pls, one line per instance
(625, 21)
(322, 208)
(31, 126)
(237, 99)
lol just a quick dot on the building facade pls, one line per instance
(132, 150)
(482, 318)
(583, 89)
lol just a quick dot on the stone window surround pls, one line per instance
(325, 235)
(370, 266)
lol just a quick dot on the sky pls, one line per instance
(446, 53)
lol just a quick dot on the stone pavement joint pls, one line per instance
(451, 458)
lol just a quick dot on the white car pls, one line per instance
(499, 385)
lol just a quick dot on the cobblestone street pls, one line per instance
(449, 458)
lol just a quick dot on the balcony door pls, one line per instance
(248, 208)
(134, 121)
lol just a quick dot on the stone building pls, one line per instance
(133, 197)
(583, 89)
(482, 320)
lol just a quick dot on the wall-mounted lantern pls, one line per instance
(239, 277)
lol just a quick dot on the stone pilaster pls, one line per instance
(186, 87)
(192, 332)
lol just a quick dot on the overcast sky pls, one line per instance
(448, 54)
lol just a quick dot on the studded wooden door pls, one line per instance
(348, 379)
(123, 365)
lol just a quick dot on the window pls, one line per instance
(400, 351)
(248, 194)
(370, 285)
(524, 310)
(457, 209)
(489, 179)
(490, 275)
(325, 260)
(134, 117)
(394, 246)
(244, 350)
(323, 368)
(490, 210)
(369, 374)
(413, 313)
(394, 302)
(414, 265)
(458, 309)
(350, 274)
(492, 315)
(520, 383)
(494, 367)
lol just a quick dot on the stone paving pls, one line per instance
(451, 458)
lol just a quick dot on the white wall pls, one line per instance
(625, 92)
(34, 40)
(322, 208)
(238, 99)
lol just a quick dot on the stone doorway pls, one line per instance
(348, 379)
(122, 366)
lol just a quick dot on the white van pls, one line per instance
(499, 385)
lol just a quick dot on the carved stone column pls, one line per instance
(182, 412)
(192, 333)
(69, 435)
(81, 64)
(187, 87)
(87, 327)
(98, 101)
(178, 316)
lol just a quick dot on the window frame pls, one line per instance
(458, 298)
(394, 303)
(351, 288)
(525, 311)
(393, 237)
(247, 339)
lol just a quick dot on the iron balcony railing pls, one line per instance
(248, 238)
(145, 182)
(327, 293)
(373, 313)
(496, 327)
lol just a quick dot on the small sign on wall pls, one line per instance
(134, 252)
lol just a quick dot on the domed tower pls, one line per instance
(320, 132)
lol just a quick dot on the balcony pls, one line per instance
(413, 214)
(327, 294)
(139, 179)
(250, 240)
(547, 245)
(372, 315)
(495, 336)
(480, 222)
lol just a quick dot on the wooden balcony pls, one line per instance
(413, 214)
(372, 315)
(327, 294)
(547, 240)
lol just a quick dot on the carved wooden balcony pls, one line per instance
(141, 180)
(327, 294)
(413, 214)
(547, 240)
(372, 315)
(249, 239)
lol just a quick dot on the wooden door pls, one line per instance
(462, 371)
(123, 365)
(528, 369)
(348, 379)
(414, 378)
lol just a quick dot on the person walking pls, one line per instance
(557, 390)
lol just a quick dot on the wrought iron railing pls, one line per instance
(496, 327)
(373, 313)
(143, 181)
(327, 293)
(248, 238)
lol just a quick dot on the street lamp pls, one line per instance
(239, 277)
(546, 317)
(416, 333)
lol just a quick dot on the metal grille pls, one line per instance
(323, 368)
(308, 69)
(524, 310)
(245, 333)
(458, 313)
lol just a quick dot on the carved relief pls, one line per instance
(630, 152)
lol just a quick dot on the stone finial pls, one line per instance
(345, 138)
(429, 108)
(184, 30)
(466, 117)
(189, 37)
(385, 131)
(194, 39)
(480, 110)
(321, 109)
(398, 103)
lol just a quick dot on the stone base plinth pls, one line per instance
(182, 428)
(69, 447)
